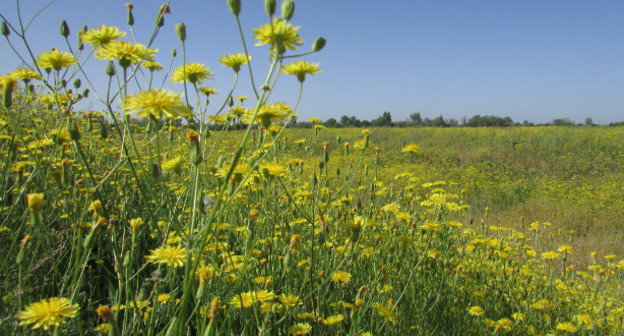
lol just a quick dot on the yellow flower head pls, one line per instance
(300, 329)
(7, 83)
(270, 113)
(271, 169)
(48, 313)
(152, 65)
(194, 73)
(56, 60)
(156, 103)
(475, 311)
(101, 36)
(234, 61)
(276, 34)
(566, 326)
(172, 256)
(341, 277)
(25, 74)
(331, 320)
(301, 68)
(175, 163)
(125, 52)
(208, 91)
(35, 201)
(411, 148)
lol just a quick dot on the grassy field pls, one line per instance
(571, 177)
(319, 231)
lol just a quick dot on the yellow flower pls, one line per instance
(241, 98)
(300, 69)
(204, 272)
(504, 324)
(7, 83)
(48, 313)
(475, 311)
(96, 207)
(300, 329)
(411, 148)
(234, 61)
(208, 91)
(101, 36)
(565, 249)
(175, 163)
(172, 256)
(35, 201)
(333, 319)
(56, 60)
(341, 276)
(25, 74)
(271, 169)
(566, 326)
(156, 103)
(125, 52)
(136, 223)
(278, 32)
(289, 300)
(152, 65)
(270, 113)
(550, 255)
(246, 299)
(194, 73)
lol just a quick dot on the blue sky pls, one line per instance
(534, 60)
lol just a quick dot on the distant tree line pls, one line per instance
(416, 120)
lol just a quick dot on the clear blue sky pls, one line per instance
(535, 60)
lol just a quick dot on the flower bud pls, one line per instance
(74, 132)
(130, 18)
(160, 20)
(230, 101)
(235, 6)
(318, 44)
(103, 130)
(77, 83)
(174, 53)
(288, 9)
(5, 29)
(269, 7)
(34, 201)
(180, 30)
(64, 29)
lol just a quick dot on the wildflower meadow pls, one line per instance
(197, 211)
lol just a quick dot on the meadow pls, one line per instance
(150, 216)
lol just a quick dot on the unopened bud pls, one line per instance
(64, 29)
(235, 6)
(180, 30)
(130, 18)
(5, 29)
(269, 7)
(77, 83)
(110, 69)
(288, 9)
(174, 53)
(318, 44)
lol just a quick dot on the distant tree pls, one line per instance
(366, 123)
(331, 122)
(439, 122)
(453, 122)
(416, 118)
(589, 121)
(563, 122)
(384, 120)
(345, 121)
